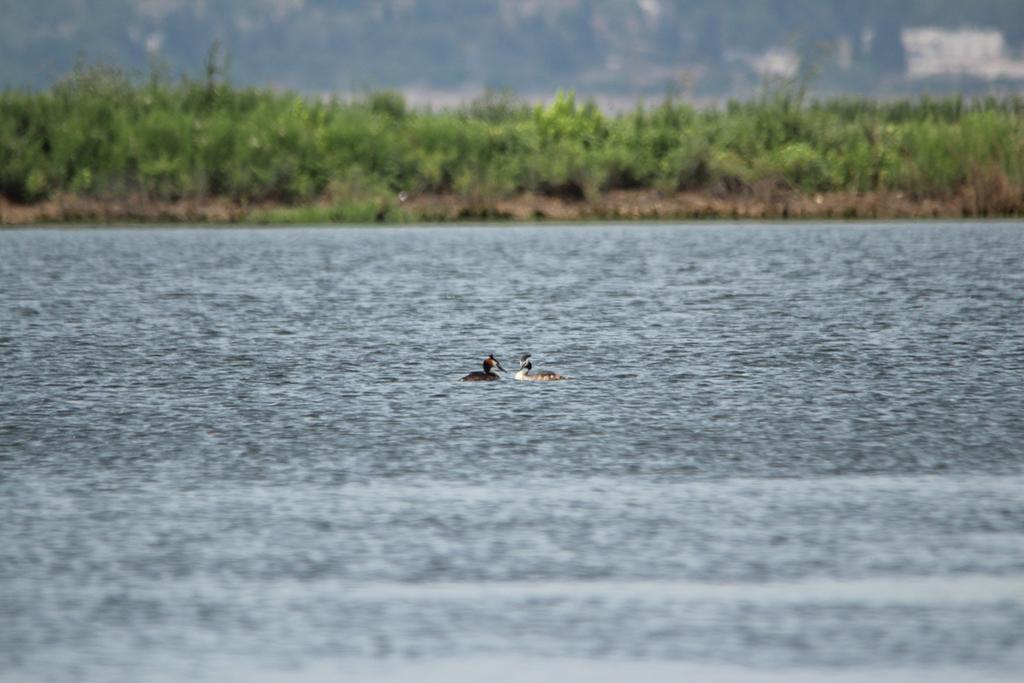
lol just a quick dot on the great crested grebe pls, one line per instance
(540, 376)
(488, 375)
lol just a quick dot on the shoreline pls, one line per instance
(765, 203)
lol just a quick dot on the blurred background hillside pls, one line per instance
(442, 51)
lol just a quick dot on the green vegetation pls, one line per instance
(102, 135)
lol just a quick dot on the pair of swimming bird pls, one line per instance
(525, 372)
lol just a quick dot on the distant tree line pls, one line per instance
(589, 45)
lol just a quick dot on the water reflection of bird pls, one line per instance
(488, 375)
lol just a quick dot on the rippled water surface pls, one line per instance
(787, 453)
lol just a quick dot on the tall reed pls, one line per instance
(101, 134)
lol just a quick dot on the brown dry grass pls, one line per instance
(72, 209)
(762, 202)
(987, 194)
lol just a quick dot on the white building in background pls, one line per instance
(982, 53)
(779, 62)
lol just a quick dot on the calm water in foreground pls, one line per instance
(789, 453)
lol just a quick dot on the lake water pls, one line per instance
(787, 453)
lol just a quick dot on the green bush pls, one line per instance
(100, 133)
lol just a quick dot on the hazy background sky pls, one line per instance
(438, 50)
